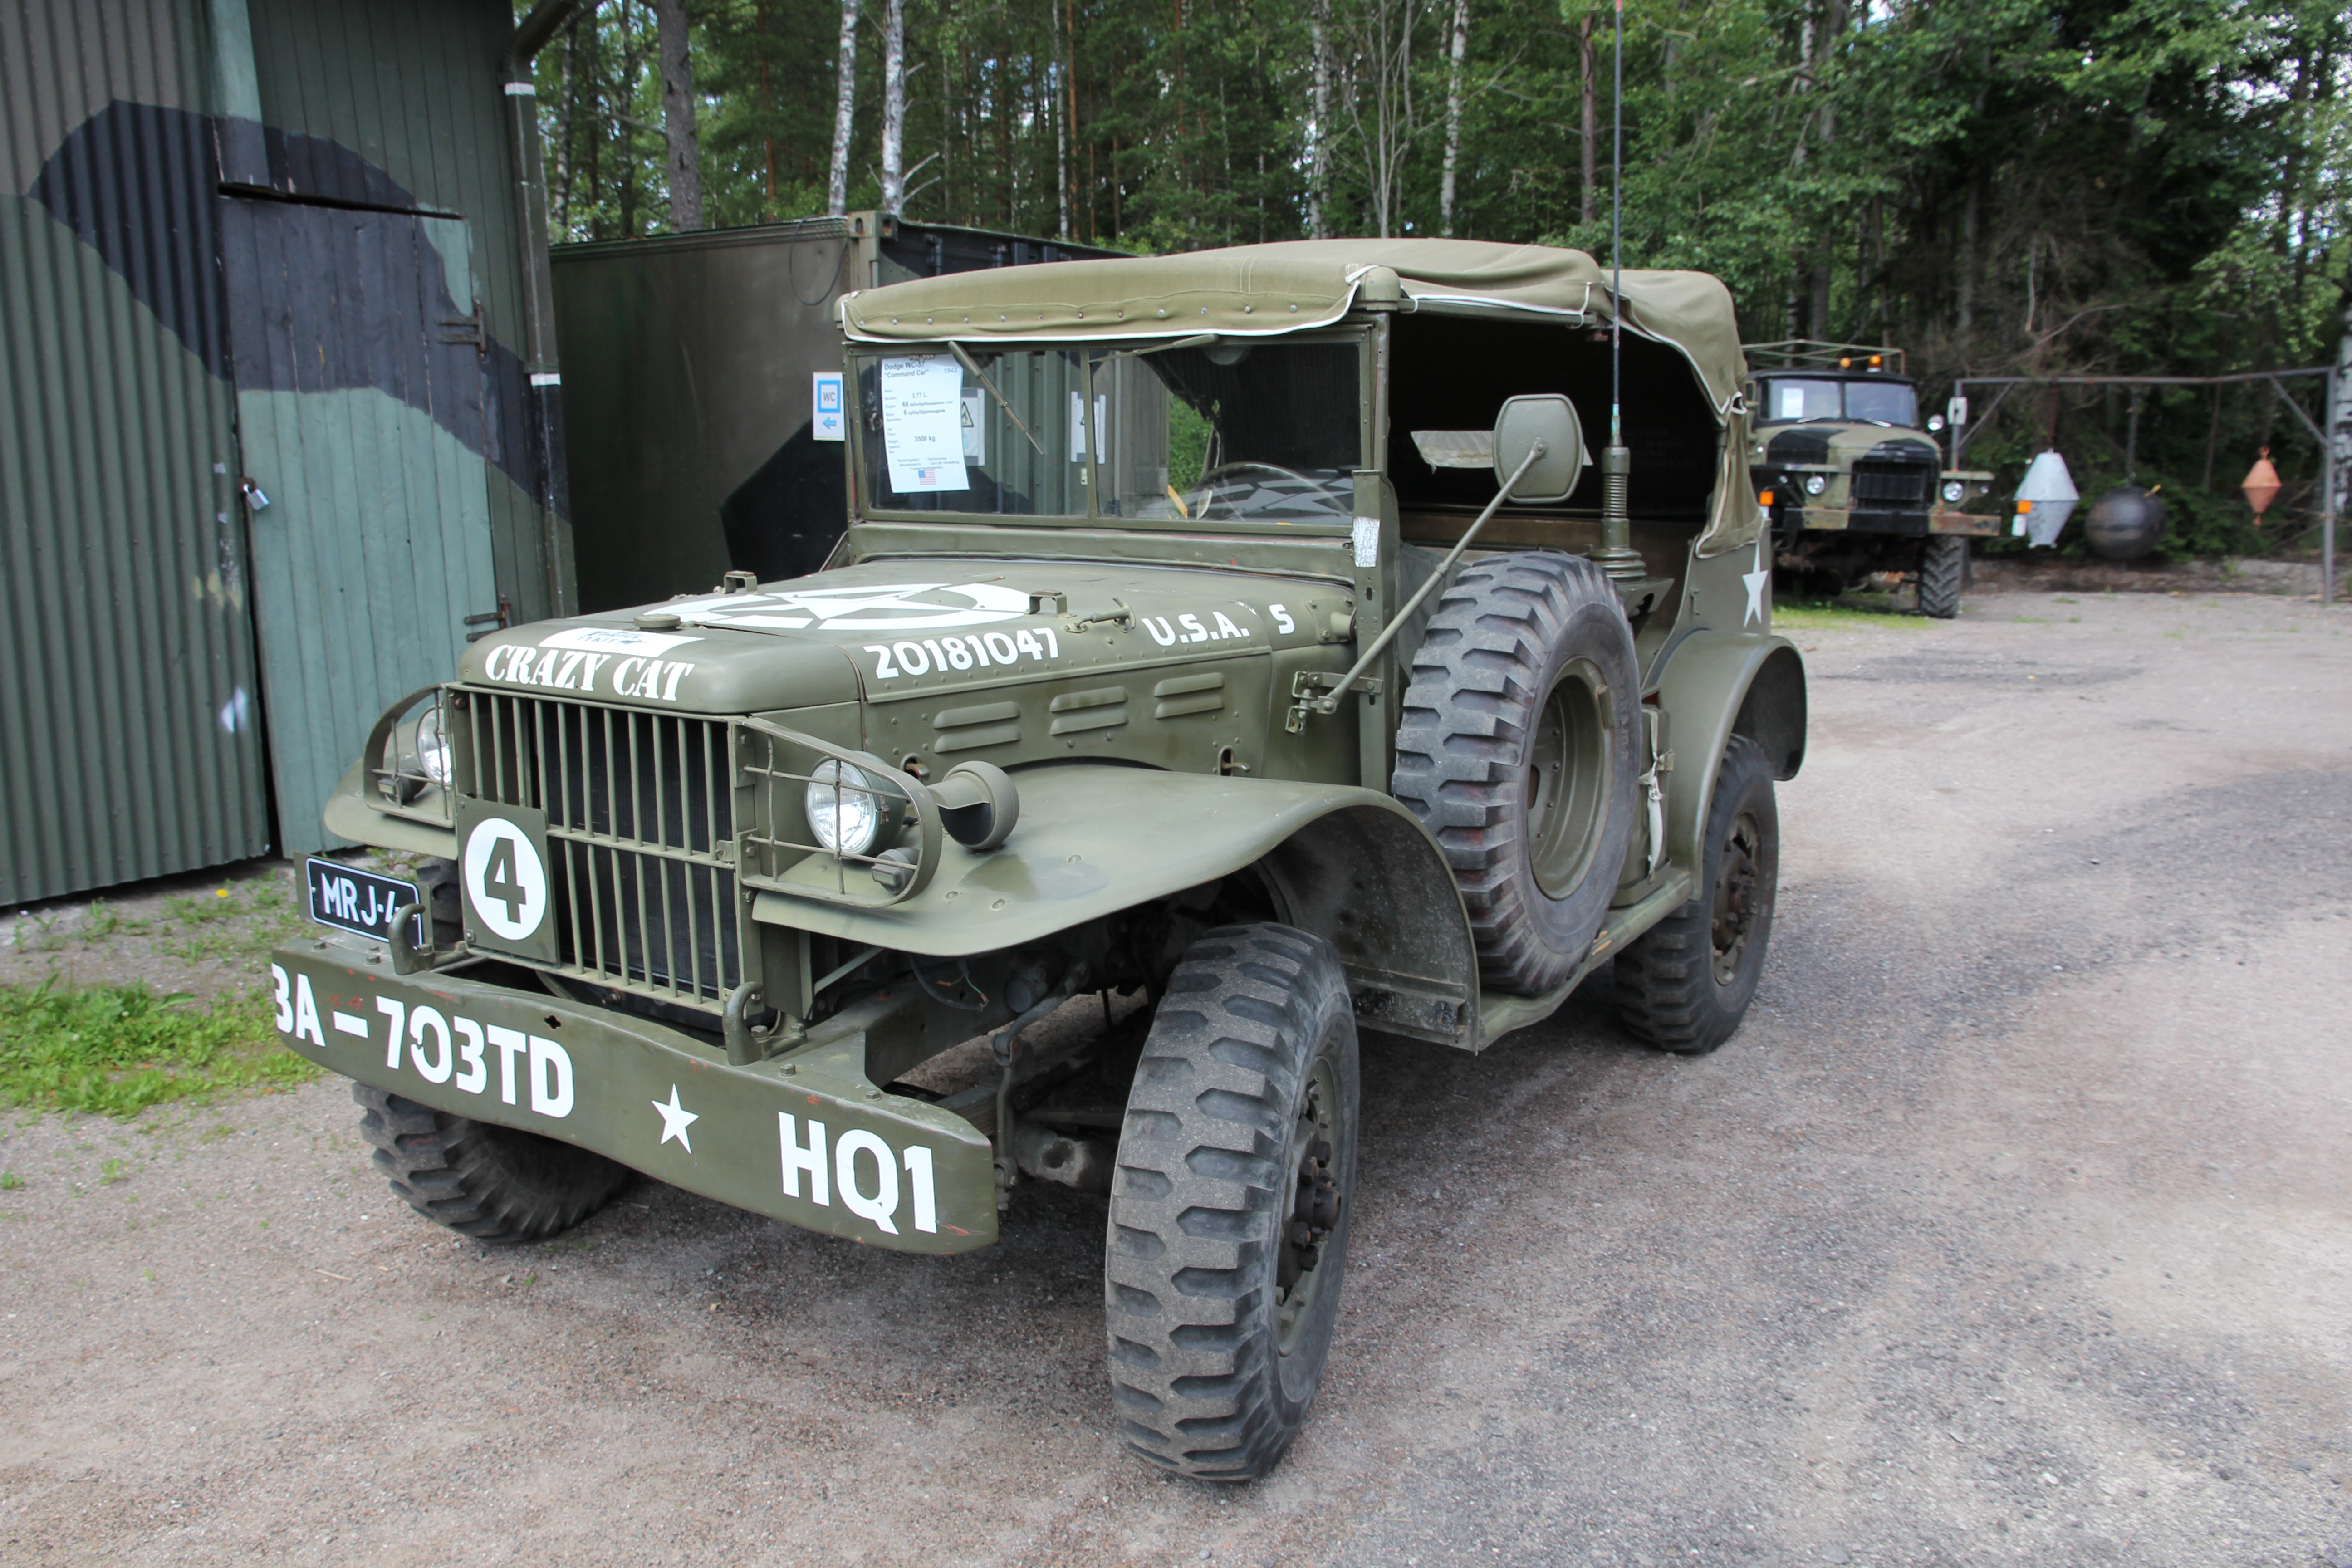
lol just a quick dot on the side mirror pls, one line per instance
(1934, 423)
(1524, 421)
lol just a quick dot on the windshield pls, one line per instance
(1225, 430)
(1887, 402)
(1804, 397)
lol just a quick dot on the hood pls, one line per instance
(884, 631)
(1834, 443)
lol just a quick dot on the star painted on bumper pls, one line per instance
(676, 1120)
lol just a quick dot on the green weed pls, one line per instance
(44, 936)
(219, 904)
(10, 1181)
(114, 1050)
(105, 920)
(1824, 616)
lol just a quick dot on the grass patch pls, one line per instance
(114, 1050)
(1820, 615)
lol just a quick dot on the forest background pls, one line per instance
(1999, 186)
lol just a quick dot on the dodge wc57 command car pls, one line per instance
(1296, 640)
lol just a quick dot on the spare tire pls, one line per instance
(1516, 749)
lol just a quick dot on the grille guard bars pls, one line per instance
(775, 847)
(767, 858)
(397, 791)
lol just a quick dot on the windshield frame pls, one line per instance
(1360, 335)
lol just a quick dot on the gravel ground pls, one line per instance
(2012, 1228)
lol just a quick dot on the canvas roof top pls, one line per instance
(1262, 289)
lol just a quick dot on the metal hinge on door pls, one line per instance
(469, 330)
(491, 620)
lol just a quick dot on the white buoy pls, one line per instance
(2045, 500)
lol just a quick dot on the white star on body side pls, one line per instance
(676, 1120)
(1756, 581)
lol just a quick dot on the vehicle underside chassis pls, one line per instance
(1829, 551)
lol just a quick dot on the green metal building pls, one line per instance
(690, 364)
(279, 423)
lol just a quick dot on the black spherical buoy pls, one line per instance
(2124, 523)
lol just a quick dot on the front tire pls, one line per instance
(1943, 562)
(1230, 1208)
(1685, 983)
(491, 1182)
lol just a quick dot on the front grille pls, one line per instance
(1880, 485)
(639, 808)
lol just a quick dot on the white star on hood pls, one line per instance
(676, 1120)
(1756, 581)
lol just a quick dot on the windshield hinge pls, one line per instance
(1307, 687)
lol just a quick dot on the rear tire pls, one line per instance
(1230, 1207)
(1943, 562)
(1685, 983)
(491, 1182)
(1516, 751)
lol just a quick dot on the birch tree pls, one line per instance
(1380, 108)
(1588, 121)
(1454, 117)
(894, 106)
(845, 112)
(1321, 69)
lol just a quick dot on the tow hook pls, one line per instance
(1005, 1049)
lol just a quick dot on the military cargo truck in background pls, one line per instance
(1851, 476)
(1273, 636)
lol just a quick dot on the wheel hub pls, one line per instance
(1315, 1204)
(1734, 899)
(1566, 780)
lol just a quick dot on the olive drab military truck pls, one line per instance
(1272, 637)
(1852, 479)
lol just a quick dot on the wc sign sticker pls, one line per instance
(505, 878)
(826, 425)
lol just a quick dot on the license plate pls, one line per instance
(360, 901)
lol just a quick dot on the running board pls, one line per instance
(1499, 1013)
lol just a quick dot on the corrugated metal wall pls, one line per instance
(130, 722)
(271, 238)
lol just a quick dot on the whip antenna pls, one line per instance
(1616, 555)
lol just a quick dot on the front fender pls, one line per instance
(1351, 865)
(1716, 685)
(349, 815)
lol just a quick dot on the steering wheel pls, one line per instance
(1209, 481)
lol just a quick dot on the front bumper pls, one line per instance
(1913, 525)
(803, 1137)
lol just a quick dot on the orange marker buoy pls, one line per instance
(2262, 485)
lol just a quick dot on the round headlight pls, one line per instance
(433, 747)
(1815, 484)
(844, 811)
(1954, 490)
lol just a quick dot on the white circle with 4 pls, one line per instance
(504, 879)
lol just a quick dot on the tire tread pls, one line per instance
(1200, 1156)
(491, 1182)
(1461, 747)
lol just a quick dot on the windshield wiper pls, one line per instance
(1002, 402)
